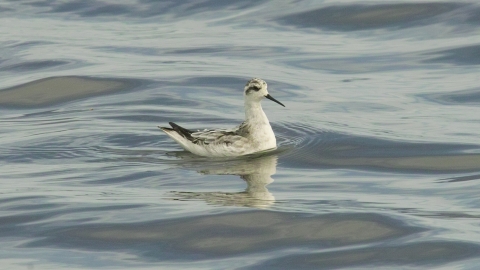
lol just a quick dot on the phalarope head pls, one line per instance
(256, 89)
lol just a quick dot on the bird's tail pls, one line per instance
(179, 134)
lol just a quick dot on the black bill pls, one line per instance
(271, 98)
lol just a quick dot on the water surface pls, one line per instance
(378, 160)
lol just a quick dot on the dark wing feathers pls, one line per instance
(220, 136)
(182, 131)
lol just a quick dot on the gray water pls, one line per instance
(378, 163)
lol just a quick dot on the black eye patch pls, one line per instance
(254, 87)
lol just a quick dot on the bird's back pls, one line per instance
(241, 140)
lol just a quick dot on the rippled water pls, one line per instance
(378, 160)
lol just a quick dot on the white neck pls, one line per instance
(260, 130)
(254, 113)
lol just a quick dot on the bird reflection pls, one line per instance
(256, 171)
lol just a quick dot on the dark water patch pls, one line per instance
(5, 9)
(188, 8)
(216, 82)
(33, 65)
(474, 16)
(355, 79)
(71, 6)
(54, 90)
(27, 44)
(354, 106)
(43, 206)
(133, 158)
(174, 88)
(237, 51)
(466, 55)
(147, 8)
(367, 17)
(346, 145)
(442, 214)
(53, 144)
(90, 8)
(43, 151)
(408, 255)
(463, 97)
(326, 158)
(333, 150)
(15, 225)
(229, 234)
(164, 99)
(125, 178)
(21, 224)
(37, 3)
(131, 140)
(27, 203)
(84, 147)
(461, 178)
(358, 65)
(199, 6)
(128, 50)
(125, 151)
(141, 118)
(46, 114)
(19, 199)
(106, 10)
(210, 50)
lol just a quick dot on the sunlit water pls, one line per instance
(379, 155)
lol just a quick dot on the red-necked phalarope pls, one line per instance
(254, 135)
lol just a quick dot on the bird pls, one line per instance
(253, 135)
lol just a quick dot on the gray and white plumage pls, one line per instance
(254, 135)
